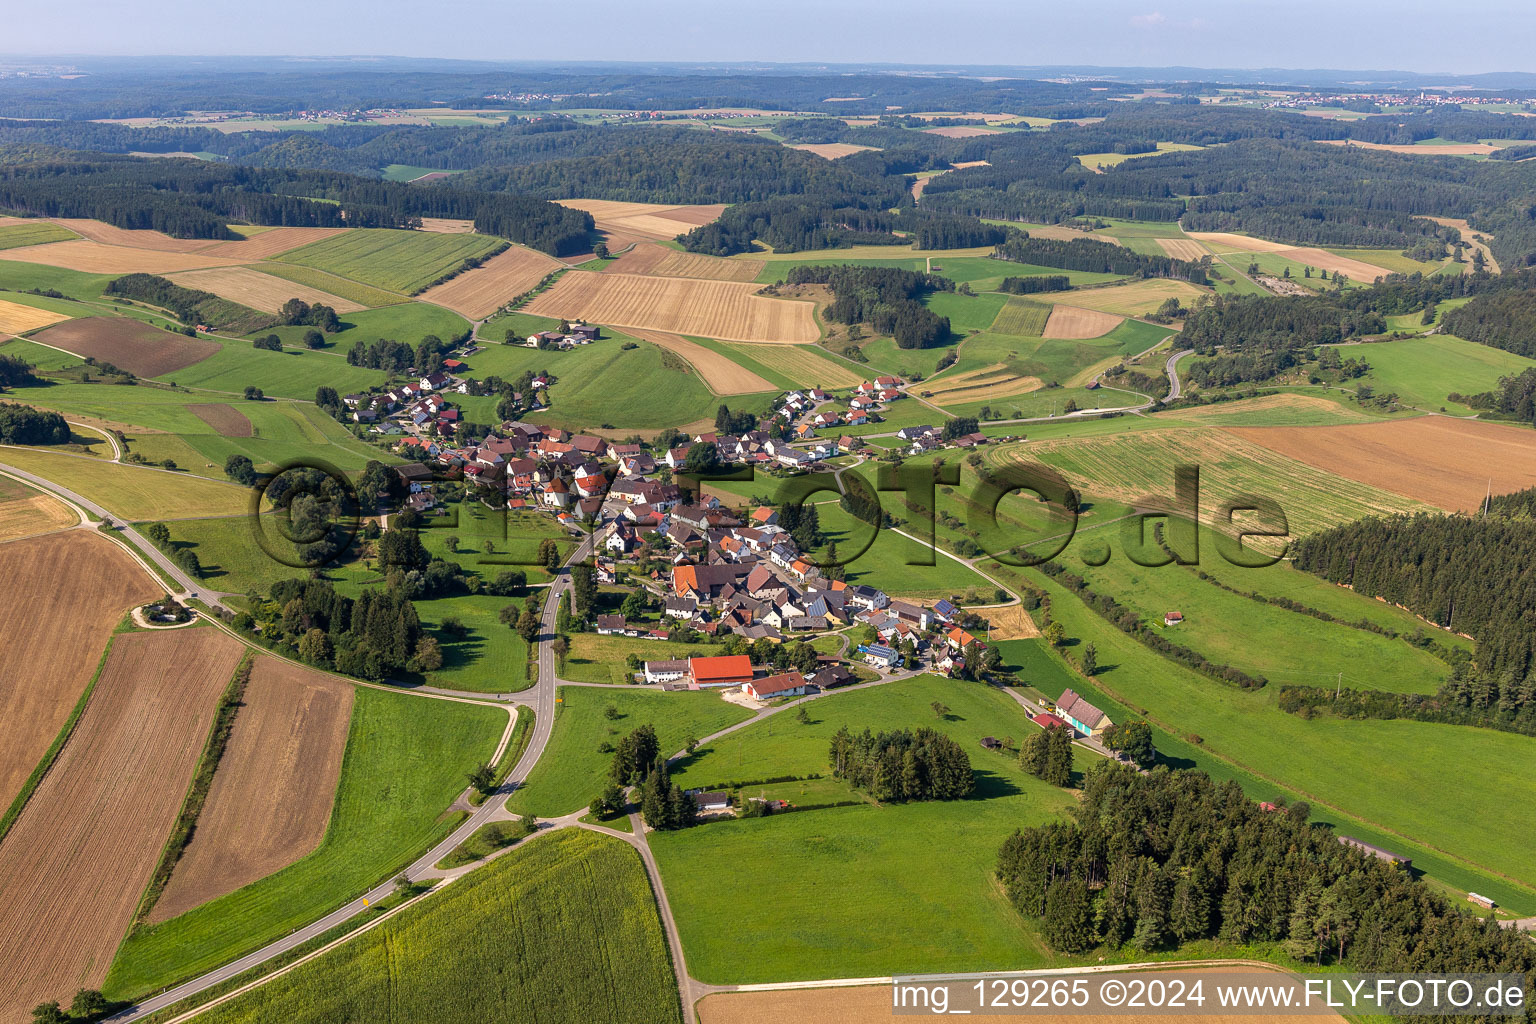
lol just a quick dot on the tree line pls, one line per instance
(883, 297)
(1095, 256)
(902, 765)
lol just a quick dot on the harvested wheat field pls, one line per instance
(1135, 299)
(1439, 149)
(77, 860)
(274, 242)
(1356, 270)
(447, 226)
(480, 292)
(1283, 404)
(659, 261)
(1074, 322)
(831, 150)
(722, 376)
(54, 635)
(958, 132)
(226, 420)
(130, 344)
(984, 384)
(25, 512)
(806, 365)
(271, 798)
(106, 234)
(1443, 461)
(1182, 248)
(1010, 623)
(259, 291)
(709, 309)
(16, 318)
(626, 223)
(95, 258)
(1227, 241)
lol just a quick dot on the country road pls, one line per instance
(1175, 387)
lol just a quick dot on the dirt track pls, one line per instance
(76, 862)
(54, 636)
(271, 799)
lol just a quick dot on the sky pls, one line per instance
(1407, 35)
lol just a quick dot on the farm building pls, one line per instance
(1173, 618)
(1376, 851)
(1046, 720)
(1482, 901)
(711, 802)
(666, 671)
(723, 670)
(1081, 715)
(786, 684)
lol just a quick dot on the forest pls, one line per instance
(1505, 319)
(883, 297)
(902, 765)
(1092, 255)
(1154, 860)
(22, 424)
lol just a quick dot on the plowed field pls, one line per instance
(130, 344)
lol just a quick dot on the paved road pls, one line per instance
(1175, 388)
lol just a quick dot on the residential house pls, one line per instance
(710, 802)
(881, 657)
(1081, 715)
(867, 597)
(786, 684)
(684, 608)
(608, 625)
(557, 494)
(666, 671)
(833, 676)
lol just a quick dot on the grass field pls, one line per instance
(1021, 316)
(405, 763)
(14, 236)
(291, 373)
(966, 312)
(563, 930)
(1424, 371)
(573, 770)
(885, 562)
(804, 366)
(361, 294)
(128, 491)
(399, 261)
(884, 356)
(492, 658)
(407, 321)
(834, 871)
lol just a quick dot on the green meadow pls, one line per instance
(407, 322)
(291, 373)
(1425, 371)
(398, 261)
(42, 232)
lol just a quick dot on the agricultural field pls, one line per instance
(890, 561)
(16, 236)
(109, 800)
(1433, 459)
(1278, 409)
(801, 366)
(402, 321)
(660, 261)
(399, 261)
(718, 371)
(625, 224)
(833, 870)
(490, 657)
(109, 234)
(1182, 248)
(988, 383)
(293, 373)
(480, 292)
(132, 492)
(1136, 299)
(129, 344)
(574, 770)
(569, 916)
(16, 318)
(1424, 372)
(405, 762)
(726, 310)
(95, 258)
(1077, 323)
(54, 635)
(1103, 161)
(250, 287)
(25, 512)
(271, 796)
(331, 284)
(1022, 316)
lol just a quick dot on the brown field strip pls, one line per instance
(271, 798)
(984, 384)
(1449, 149)
(130, 344)
(16, 318)
(1182, 248)
(830, 150)
(1074, 323)
(107, 234)
(706, 268)
(28, 513)
(1010, 623)
(273, 242)
(1135, 299)
(94, 258)
(1437, 459)
(958, 132)
(1228, 241)
(709, 309)
(480, 292)
(54, 636)
(259, 291)
(78, 858)
(226, 420)
(1357, 270)
(722, 376)
(803, 364)
(447, 226)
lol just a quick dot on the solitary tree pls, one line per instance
(483, 778)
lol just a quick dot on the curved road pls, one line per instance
(1175, 388)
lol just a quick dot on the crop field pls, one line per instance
(1136, 299)
(448, 225)
(831, 150)
(568, 919)
(17, 319)
(80, 854)
(331, 284)
(54, 635)
(15, 236)
(108, 234)
(1430, 147)
(988, 383)
(714, 309)
(832, 871)
(966, 312)
(1222, 242)
(400, 261)
(132, 492)
(1425, 371)
(1389, 774)
(1077, 323)
(250, 287)
(804, 365)
(709, 268)
(480, 292)
(271, 797)
(272, 242)
(1100, 161)
(94, 258)
(718, 372)
(573, 770)
(404, 765)
(1128, 467)
(129, 344)
(1434, 459)
(626, 223)
(225, 420)
(1281, 409)
(25, 512)
(1182, 248)
(1021, 316)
